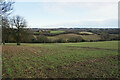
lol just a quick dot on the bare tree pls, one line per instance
(19, 24)
(6, 7)
(6, 10)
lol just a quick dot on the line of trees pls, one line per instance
(11, 26)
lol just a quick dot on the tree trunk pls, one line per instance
(18, 43)
(18, 37)
(3, 43)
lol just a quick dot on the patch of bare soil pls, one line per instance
(96, 67)
(23, 49)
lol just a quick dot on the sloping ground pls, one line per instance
(57, 31)
(61, 61)
(66, 36)
(85, 37)
(63, 36)
(91, 37)
(89, 33)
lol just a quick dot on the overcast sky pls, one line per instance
(68, 13)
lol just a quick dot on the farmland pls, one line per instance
(61, 60)
(58, 40)
(57, 31)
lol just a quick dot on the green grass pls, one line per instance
(57, 31)
(102, 44)
(61, 60)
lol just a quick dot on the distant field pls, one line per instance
(57, 31)
(67, 36)
(64, 36)
(61, 60)
(91, 37)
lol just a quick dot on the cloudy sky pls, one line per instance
(68, 13)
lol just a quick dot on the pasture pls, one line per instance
(61, 60)
(57, 31)
(68, 36)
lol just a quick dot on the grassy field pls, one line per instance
(57, 31)
(63, 36)
(67, 36)
(61, 60)
(91, 37)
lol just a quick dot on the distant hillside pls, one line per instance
(91, 37)
(65, 35)
(84, 37)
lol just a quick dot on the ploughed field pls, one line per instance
(61, 60)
